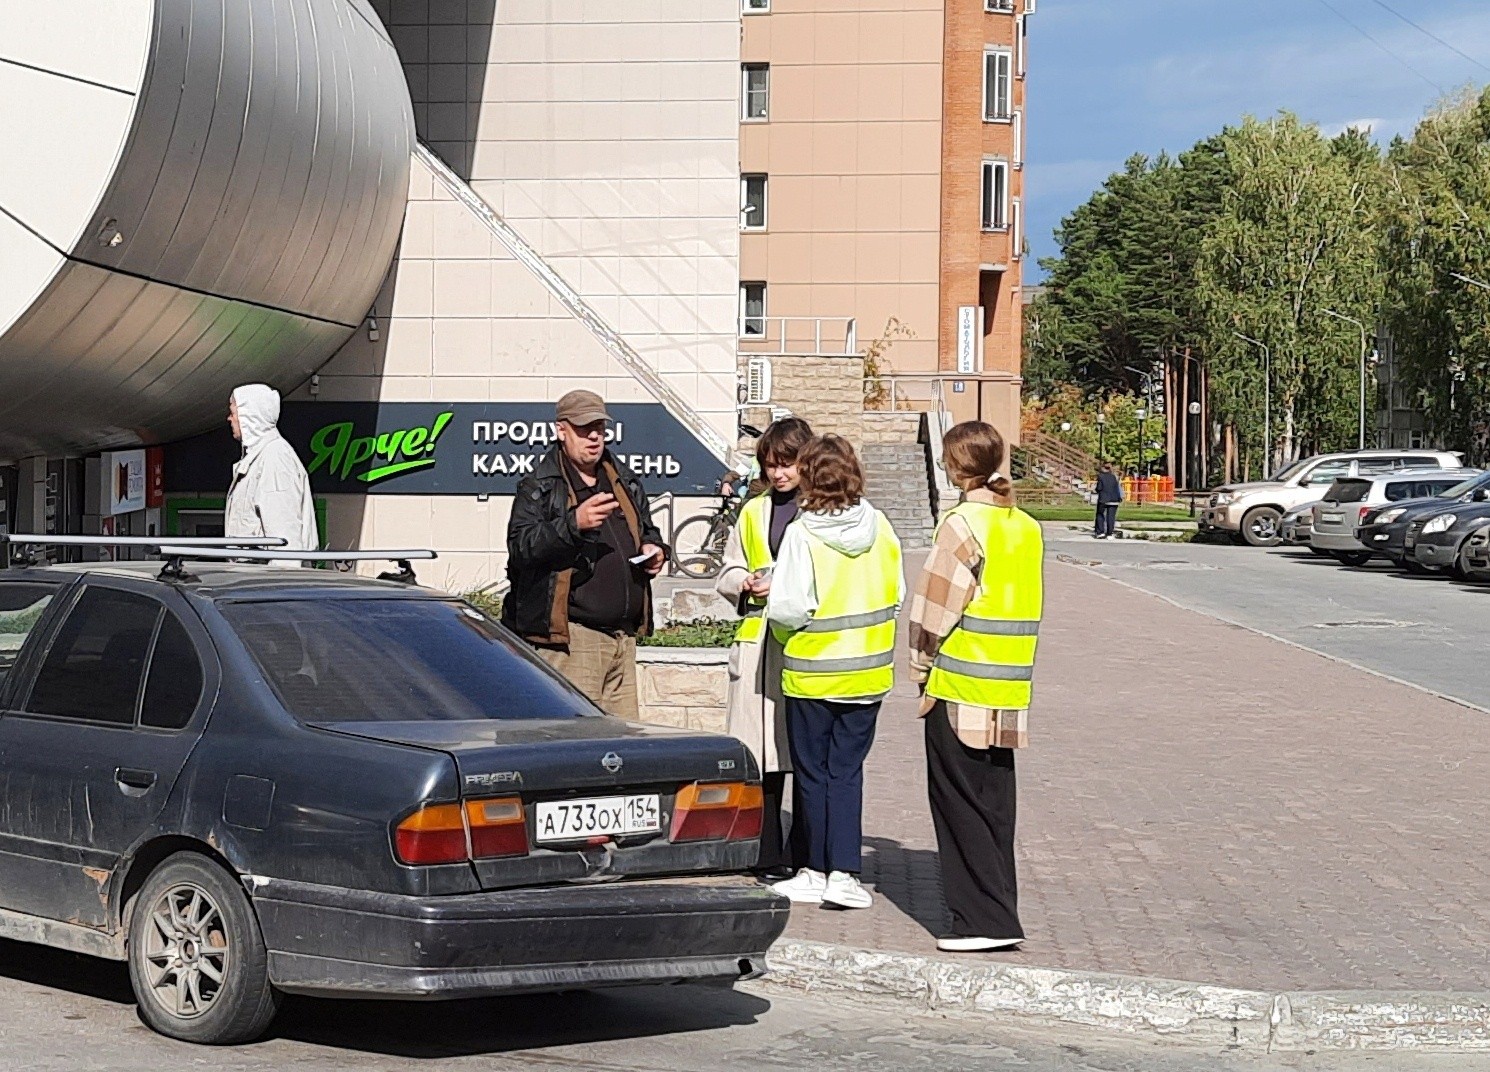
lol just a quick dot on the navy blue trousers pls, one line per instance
(829, 742)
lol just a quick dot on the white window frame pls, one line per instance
(1016, 229)
(746, 69)
(745, 318)
(999, 7)
(745, 179)
(993, 217)
(746, 8)
(1018, 151)
(1021, 26)
(992, 57)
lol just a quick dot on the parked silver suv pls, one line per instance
(1252, 511)
(1338, 517)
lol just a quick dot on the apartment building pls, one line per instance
(882, 190)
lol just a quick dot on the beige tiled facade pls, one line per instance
(605, 136)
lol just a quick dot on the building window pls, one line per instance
(995, 195)
(752, 202)
(752, 310)
(755, 91)
(1018, 139)
(1004, 6)
(1016, 227)
(754, 7)
(998, 82)
(1021, 31)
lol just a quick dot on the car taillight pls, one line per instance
(498, 828)
(454, 833)
(1361, 515)
(721, 811)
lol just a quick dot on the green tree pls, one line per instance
(1297, 234)
(1437, 236)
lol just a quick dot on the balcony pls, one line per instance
(798, 336)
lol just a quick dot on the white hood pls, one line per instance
(849, 531)
(258, 413)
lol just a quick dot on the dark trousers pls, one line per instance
(1106, 519)
(972, 808)
(829, 742)
(778, 850)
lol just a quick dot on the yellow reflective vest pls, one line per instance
(755, 538)
(988, 660)
(847, 650)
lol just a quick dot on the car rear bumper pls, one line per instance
(335, 942)
(1328, 540)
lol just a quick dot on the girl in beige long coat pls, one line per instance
(757, 715)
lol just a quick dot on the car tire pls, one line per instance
(191, 921)
(1459, 571)
(1352, 558)
(1260, 526)
(1320, 551)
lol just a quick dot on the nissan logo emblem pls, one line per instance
(612, 762)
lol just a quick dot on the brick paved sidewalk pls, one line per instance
(1314, 828)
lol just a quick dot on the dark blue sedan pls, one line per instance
(248, 782)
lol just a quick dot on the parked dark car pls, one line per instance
(1384, 530)
(1436, 542)
(247, 782)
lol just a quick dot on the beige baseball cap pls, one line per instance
(581, 408)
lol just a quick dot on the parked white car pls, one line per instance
(1252, 512)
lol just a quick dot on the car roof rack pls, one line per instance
(176, 552)
(30, 543)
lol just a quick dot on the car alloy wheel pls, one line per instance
(186, 951)
(197, 960)
(1260, 526)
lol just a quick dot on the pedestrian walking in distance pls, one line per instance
(975, 617)
(581, 554)
(1109, 497)
(757, 714)
(270, 491)
(835, 593)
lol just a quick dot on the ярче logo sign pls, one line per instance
(391, 454)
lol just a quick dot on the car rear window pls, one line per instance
(398, 660)
(1348, 491)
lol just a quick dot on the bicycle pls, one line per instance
(699, 541)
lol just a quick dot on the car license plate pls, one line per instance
(1333, 519)
(566, 820)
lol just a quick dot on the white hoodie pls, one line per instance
(270, 493)
(793, 598)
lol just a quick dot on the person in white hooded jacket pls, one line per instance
(270, 493)
(835, 593)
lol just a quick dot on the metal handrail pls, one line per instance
(760, 342)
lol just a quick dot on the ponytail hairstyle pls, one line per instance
(973, 453)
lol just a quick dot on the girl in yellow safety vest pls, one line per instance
(756, 715)
(975, 617)
(834, 597)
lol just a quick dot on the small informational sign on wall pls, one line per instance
(124, 485)
(969, 337)
(457, 448)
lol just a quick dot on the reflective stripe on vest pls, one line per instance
(755, 539)
(988, 659)
(847, 651)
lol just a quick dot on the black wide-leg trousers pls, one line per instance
(972, 806)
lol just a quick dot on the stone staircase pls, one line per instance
(898, 482)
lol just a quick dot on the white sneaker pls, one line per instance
(844, 891)
(806, 887)
(957, 944)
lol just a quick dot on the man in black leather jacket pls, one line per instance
(581, 554)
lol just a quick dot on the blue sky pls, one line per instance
(1108, 78)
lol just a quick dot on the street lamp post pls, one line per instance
(1101, 436)
(1361, 434)
(1194, 447)
(1267, 401)
(1142, 415)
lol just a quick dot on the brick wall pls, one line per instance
(827, 392)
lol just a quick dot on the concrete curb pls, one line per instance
(1133, 1005)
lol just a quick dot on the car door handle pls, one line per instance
(133, 783)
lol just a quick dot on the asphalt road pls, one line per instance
(1428, 631)
(65, 1012)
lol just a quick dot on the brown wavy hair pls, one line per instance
(832, 478)
(782, 442)
(974, 453)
